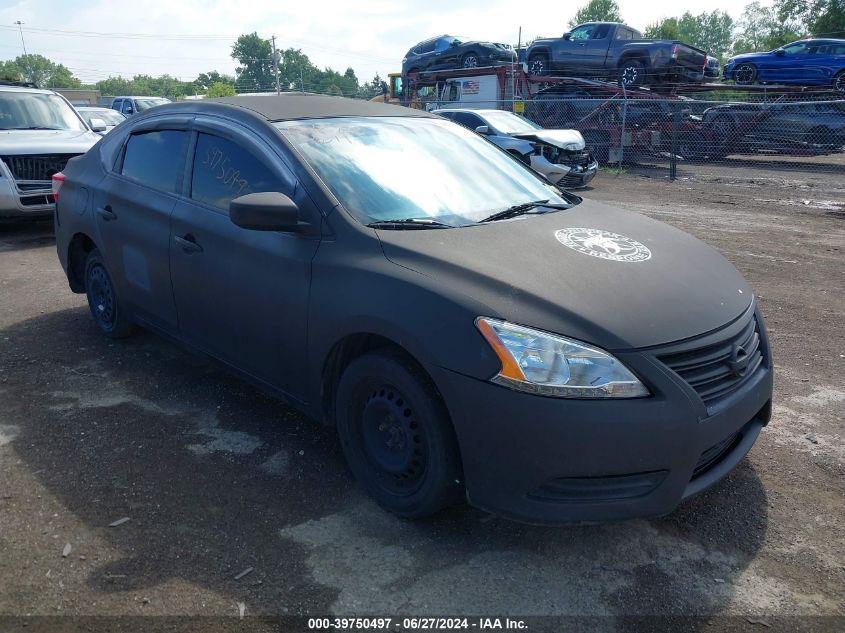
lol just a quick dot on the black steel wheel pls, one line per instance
(631, 73)
(102, 298)
(538, 65)
(745, 73)
(470, 60)
(397, 436)
(839, 81)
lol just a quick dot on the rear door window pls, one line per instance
(223, 171)
(156, 159)
(466, 119)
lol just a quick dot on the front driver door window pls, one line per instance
(241, 295)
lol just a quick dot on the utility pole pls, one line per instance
(25, 56)
(276, 64)
(301, 80)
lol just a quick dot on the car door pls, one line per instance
(589, 56)
(569, 54)
(132, 209)
(791, 66)
(128, 108)
(241, 295)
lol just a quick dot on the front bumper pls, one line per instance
(547, 460)
(568, 176)
(35, 201)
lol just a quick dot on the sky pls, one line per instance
(99, 38)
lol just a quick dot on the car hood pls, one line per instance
(522, 270)
(19, 142)
(558, 138)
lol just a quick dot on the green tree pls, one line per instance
(220, 89)
(254, 55)
(711, 32)
(761, 29)
(204, 81)
(822, 18)
(9, 71)
(41, 71)
(597, 11)
(665, 29)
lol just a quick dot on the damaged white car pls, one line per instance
(560, 156)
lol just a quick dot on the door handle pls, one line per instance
(188, 243)
(106, 213)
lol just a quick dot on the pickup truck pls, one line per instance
(616, 51)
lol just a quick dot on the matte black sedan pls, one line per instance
(448, 51)
(487, 337)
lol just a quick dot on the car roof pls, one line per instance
(473, 110)
(93, 108)
(138, 97)
(296, 105)
(40, 91)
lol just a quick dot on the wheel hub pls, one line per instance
(102, 295)
(391, 436)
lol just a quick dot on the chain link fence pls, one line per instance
(688, 136)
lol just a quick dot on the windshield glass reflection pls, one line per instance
(392, 168)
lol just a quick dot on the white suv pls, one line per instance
(39, 132)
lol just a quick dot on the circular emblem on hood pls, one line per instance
(603, 244)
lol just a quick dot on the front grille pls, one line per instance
(36, 166)
(715, 453)
(718, 369)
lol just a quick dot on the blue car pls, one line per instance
(806, 63)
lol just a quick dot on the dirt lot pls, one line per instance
(217, 478)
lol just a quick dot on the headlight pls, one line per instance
(552, 365)
(573, 147)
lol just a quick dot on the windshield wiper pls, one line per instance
(409, 223)
(522, 209)
(35, 127)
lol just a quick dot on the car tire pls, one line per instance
(745, 73)
(470, 60)
(632, 74)
(839, 81)
(103, 301)
(538, 64)
(397, 436)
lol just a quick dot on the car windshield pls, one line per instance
(146, 104)
(509, 123)
(37, 111)
(399, 168)
(111, 117)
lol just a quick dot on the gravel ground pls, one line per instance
(216, 478)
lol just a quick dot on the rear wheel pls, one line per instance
(839, 81)
(102, 299)
(631, 73)
(745, 73)
(538, 64)
(470, 60)
(397, 436)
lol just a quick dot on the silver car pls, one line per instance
(560, 156)
(39, 132)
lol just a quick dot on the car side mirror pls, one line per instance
(129, 110)
(98, 125)
(780, 52)
(483, 129)
(265, 211)
(567, 35)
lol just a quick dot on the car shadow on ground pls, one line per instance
(216, 478)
